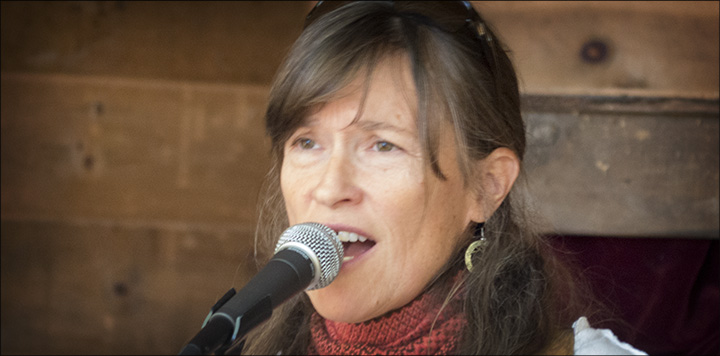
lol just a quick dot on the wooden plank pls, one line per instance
(623, 104)
(677, 8)
(113, 289)
(625, 166)
(662, 48)
(117, 149)
(220, 41)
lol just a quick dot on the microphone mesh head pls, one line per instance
(323, 242)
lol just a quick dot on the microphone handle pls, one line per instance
(289, 272)
(210, 338)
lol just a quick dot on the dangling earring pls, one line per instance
(477, 245)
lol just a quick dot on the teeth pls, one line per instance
(348, 258)
(345, 236)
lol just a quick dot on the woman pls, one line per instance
(398, 125)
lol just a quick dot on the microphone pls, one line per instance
(308, 256)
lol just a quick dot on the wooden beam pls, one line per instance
(624, 166)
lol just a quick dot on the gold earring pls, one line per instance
(477, 245)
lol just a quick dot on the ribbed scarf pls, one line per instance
(408, 330)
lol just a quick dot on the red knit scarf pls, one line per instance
(403, 331)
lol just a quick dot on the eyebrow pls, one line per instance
(380, 125)
(365, 125)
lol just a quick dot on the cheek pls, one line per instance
(399, 198)
(288, 187)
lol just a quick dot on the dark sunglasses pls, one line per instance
(455, 17)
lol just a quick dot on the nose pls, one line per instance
(337, 185)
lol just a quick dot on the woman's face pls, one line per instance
(368, 180)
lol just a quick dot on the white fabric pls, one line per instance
(589, 341)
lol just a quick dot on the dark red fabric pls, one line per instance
(406, 331)
(667, 291)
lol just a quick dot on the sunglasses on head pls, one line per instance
(456, 17)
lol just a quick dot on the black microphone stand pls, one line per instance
(218, 334)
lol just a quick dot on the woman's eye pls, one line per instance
(384, 146)
(305, 143)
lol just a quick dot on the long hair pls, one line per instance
(511, 300)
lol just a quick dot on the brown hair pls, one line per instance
(511, 296)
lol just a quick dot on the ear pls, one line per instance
(496, 175)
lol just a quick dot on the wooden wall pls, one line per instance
(133, 148)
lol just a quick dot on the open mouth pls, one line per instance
(354, 245)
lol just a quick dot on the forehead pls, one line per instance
(381, 97)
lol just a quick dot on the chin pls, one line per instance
(336, 308)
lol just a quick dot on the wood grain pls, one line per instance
(122, 149)
(664, 48)
(70, 288)
(624, 166)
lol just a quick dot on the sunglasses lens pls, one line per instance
(451, 16)
(448, 15)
